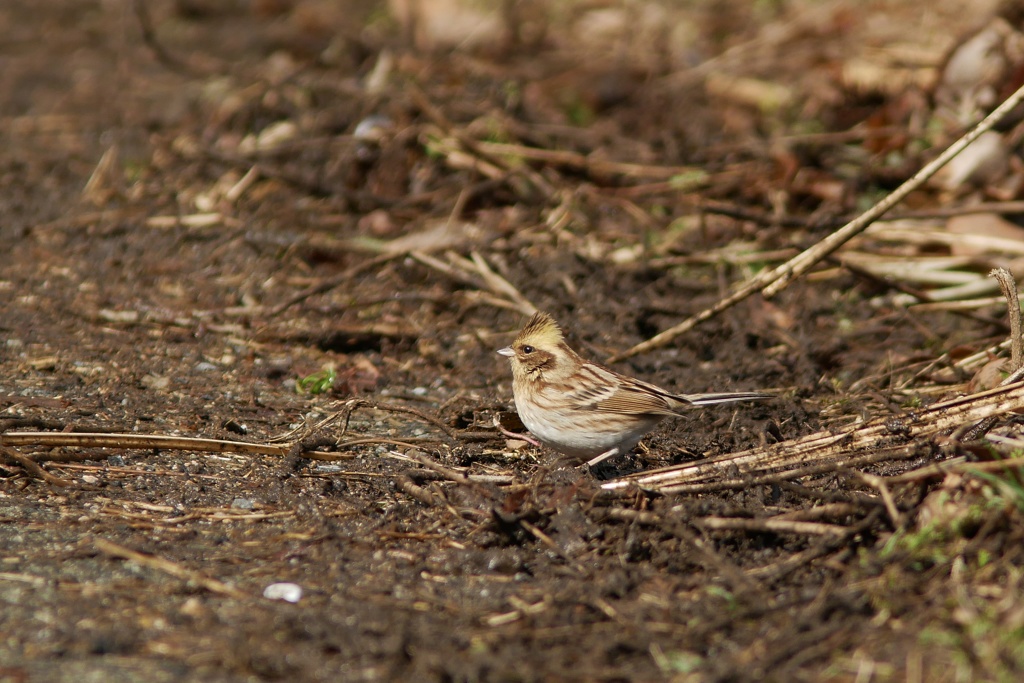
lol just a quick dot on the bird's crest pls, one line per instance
(542, 331)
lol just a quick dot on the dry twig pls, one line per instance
(149, 38)
(298, 440)
(330, 283)
(405, 484)
(167, 567)
(827, 545)
(554, 547)
(31, 467)
(878, 483)
(770, 282)
(1009, 287)
(305, 432)
(738, 579)
(878, 439)
(92, 440)
(477, 273)
(770, 525)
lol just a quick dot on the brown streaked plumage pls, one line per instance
(583, 409)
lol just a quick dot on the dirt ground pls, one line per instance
(207, 206)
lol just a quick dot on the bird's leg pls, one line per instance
(512, 435)
(610, 453)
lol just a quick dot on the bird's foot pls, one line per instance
(512, 435)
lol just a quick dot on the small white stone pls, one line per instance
(289, 592)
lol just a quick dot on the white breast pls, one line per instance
(583, 434)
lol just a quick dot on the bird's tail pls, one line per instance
(712, 399)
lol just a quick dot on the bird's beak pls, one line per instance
(507, 352)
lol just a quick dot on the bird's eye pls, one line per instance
(528, 349)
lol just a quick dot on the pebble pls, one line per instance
(289, 592)
(372, 128)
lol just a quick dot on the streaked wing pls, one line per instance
(603, 390)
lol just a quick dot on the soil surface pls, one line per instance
(207, 207)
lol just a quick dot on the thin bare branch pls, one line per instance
(771, 282)
(184, 443)
(1009, 287)
(167, 567)
(882, 438)
(770, 525)
(31, 467)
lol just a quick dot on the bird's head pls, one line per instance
(539, 348)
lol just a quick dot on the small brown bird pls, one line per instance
(582, 409)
